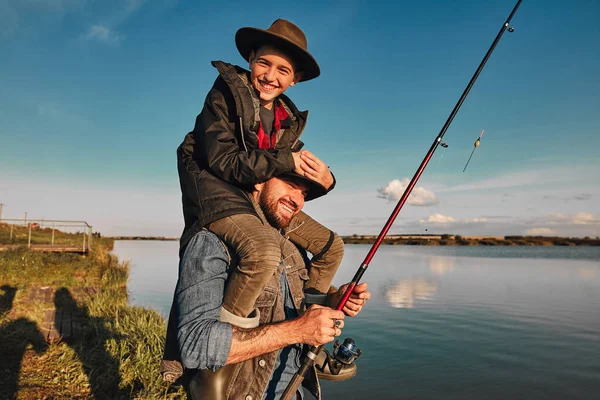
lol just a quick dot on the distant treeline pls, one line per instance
(458, 240)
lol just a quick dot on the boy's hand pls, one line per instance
(315, 169)
(299, 165)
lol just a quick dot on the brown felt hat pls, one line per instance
(314, 188)
(285, 36)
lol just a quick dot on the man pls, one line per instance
(254, 357)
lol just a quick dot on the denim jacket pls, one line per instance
(203, 340)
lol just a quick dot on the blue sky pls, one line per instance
(96, 96)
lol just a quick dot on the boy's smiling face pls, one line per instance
(271, 72)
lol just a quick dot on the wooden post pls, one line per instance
(84, 235)
(29, 242)
(11, 228)
(90, 238)
(53, 234)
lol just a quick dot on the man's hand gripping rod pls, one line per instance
(296, 381)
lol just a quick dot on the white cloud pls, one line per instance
(104, 34)
(419, 196)
(34, 17)
(445, 219)
(21, 16)
(438, 219)
(585, 219)
(475, 220)
(542, 232)
(551, 177)
(51, 111)
(9, 20)
(580, 218)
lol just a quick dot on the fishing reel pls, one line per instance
(346, 352)
(339, 366)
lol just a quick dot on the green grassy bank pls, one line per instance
(115, 350)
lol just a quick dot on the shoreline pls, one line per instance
(458, 240)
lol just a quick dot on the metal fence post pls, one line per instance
(29, 241)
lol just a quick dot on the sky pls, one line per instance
(95, 97)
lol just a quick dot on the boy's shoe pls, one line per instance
(326, 365)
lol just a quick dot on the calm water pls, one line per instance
(450, 322)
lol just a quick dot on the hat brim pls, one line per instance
(314, 189)
(247, 39)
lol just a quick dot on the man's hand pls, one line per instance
(312, 167)
(355, 302)
(317, 326)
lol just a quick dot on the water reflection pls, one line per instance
(407, 291)
(587, 274)
(441, 265)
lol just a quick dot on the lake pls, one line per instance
(449, 322)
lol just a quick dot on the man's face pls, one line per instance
(281, 200)
(271, 72)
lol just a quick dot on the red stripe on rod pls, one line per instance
(346, 296)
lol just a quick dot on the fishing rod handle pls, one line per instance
(313, 352)
(292, 388)
(296, 381)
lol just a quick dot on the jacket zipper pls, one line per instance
(242, 134)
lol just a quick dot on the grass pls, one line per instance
(117, 350)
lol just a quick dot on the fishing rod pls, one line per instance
(309, 360)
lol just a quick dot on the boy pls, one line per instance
(248, 133)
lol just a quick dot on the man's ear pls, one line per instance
(251, 57)
(258, 187)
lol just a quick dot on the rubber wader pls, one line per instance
(208, 385)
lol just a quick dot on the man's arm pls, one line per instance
(315, 327)
(205, 342)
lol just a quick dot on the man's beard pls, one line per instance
(269, 205)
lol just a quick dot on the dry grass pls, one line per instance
(117, 352)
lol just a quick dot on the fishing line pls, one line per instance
(314, 351)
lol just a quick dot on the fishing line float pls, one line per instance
(309, 360)
(476, 145)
